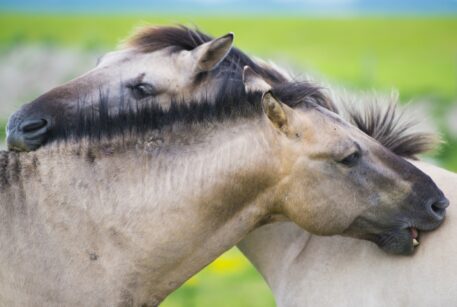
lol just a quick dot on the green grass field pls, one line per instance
(417, 56)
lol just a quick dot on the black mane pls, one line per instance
(143, 116)
(390, 127)
(386, 126)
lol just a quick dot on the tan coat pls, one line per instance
(308, 270)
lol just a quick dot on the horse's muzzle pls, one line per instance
(26, 134)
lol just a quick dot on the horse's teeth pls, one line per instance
(415, 242)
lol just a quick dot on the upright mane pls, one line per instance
(387, 123)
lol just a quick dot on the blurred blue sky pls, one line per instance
(299, 7)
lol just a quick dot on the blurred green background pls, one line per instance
(415, 55)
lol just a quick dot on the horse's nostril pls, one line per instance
(28, 134)
(438, 208)
(33, 125)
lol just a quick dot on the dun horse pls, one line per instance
(165, 63)
(112, 217)
(307, 270)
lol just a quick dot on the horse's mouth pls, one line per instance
(396, 239)
(414, 236)
(402, 241)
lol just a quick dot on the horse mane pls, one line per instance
(380, 118)
(140, 117)
(152, 38)
(389, 125)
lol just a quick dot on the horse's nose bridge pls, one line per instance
(425, 186)
(27, 113)
(425, 201)
(17, 118)
(420, 181)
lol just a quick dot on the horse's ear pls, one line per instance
(210, 54)
(275, 112)
(253, 82)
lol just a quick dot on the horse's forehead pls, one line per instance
(118, 57)
(132, 55)
(320, 118)
(332, 117)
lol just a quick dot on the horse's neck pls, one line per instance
(14, 168)
(213, 196)
(263, 246)
(169, 214)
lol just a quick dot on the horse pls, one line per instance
(44, 100)
(124, 208)
(165, 63)
(307, 270)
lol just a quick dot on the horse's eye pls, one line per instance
(351, 159)
(142, 90)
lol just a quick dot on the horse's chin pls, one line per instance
(403, 241)
(393, 239)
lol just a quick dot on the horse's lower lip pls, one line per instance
(414, 232)
(414, 236)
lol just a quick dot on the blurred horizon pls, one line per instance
(268, 7)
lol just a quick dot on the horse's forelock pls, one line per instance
(152, 38)
(149, 38)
